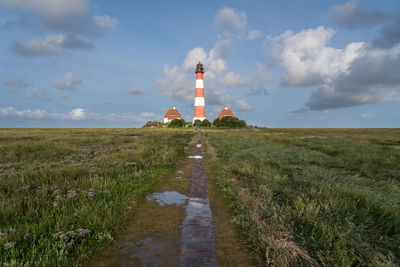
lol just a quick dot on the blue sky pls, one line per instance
(81, 63)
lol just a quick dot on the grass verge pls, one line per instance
(313, 197)
(64, 192)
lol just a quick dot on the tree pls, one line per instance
(205, 123)
(229, 122)
(197, 123)
(176, 123)
(202, 124)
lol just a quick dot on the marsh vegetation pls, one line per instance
(313, 196)
(297, 196)
(64, 193)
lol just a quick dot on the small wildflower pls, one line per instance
(71, 233)
(1, 235)
(88, 151)
(61, 235)
(42, 190)
(9, 245)
(58, 234)
(71, 194)
(90, 193)
(82, 232)
(23, 188)
(55, 204)
(56, 192)
(130, 164)
(12, 230)
(71, 243)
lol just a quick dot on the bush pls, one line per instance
(202, 124)
(152, 124)
(205, 123)
(176, 123)
(229, 122)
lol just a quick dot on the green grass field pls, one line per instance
(313, 196)
(298, 196)
(66, 192)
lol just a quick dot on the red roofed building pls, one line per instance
(171, 115)
(226, 112)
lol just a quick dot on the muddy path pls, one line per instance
(198, 239)
(153, 233)
(173, 225)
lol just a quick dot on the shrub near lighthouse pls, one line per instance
(199, 103)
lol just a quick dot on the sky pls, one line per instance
(288, 63)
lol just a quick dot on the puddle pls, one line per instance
(168, 198)
(198, 145)
(195, 157)
(179, 174)
(145, 250)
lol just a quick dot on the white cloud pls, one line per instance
(367, 116)
(214, 60)
(105, 22)
(133, 91)
(77, 114)
(176, 84)
(228, 18)
(50, 46)
(49, 8)
(253, 35)
(147, 115)
(14, 114)
(356, 75)
(194, 56)
(221, 98)
(34, 94)
(15, 84)
(68, 18)
(241, 104)
(262, 73)
(179, 83)
(307, 59)
(371, 78)
(234, 80)
(11, 114)
(69, 81)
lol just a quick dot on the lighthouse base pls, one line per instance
(198, 118)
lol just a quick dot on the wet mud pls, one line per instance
(154, 232)
(198, 239)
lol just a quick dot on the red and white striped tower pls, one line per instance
(199, 103)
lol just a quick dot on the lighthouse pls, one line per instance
(199, 103)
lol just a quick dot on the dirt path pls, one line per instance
(198, 242)
(154, 231)
(174, 225)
